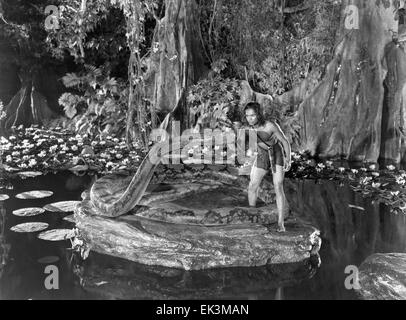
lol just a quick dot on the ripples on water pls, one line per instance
(349, 236)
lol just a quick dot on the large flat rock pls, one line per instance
(196, 219)
(383, 277)
(193, 246)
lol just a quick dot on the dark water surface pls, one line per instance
(349, 236)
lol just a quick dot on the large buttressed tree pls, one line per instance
(165, 54)
(32, 99)
(357, 109)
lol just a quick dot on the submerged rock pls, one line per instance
(383, 277)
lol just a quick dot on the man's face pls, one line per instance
(251, 117)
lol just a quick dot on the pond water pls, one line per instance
(349, 235)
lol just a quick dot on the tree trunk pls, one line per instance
(27, 107)
(179, 61)
(354, 111)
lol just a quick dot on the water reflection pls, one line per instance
(349, 236)
(114, 278)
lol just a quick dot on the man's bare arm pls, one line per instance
(279, 135)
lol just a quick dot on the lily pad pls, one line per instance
(30, 227)
(48, 260)
(79, 168)
(64, 206)
(10, 169)
(4, 197)
(29, 174)
(70, 218)
(28, 212)
(57, 234)
(37, 194)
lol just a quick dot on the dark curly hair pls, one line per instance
(257, 109)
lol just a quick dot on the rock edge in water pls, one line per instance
(383, 277)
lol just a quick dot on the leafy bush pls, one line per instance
(214, 99)
(98, 102)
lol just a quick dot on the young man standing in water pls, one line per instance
(273, 152)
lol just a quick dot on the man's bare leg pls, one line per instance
(257, 174)
(281, 202)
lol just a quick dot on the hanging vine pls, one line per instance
(135, 12)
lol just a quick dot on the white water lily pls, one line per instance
(391, 167)
(321, 165)
(375, 174)
(400, 180)
(372, 167)
(376, 185)
(341, 169)
(354, 171)
(42, 154)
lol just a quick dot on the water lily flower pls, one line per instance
(32, 162)
(12, 138)
(375, 174)
(354, 171)
(26, 158)
(42, 154)
(372, 167)
(400, 180)
(321, 165)
(391, 167)
(394, 193)
(341, 169)
(3, 140)
(74, 148)
(376, 185)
